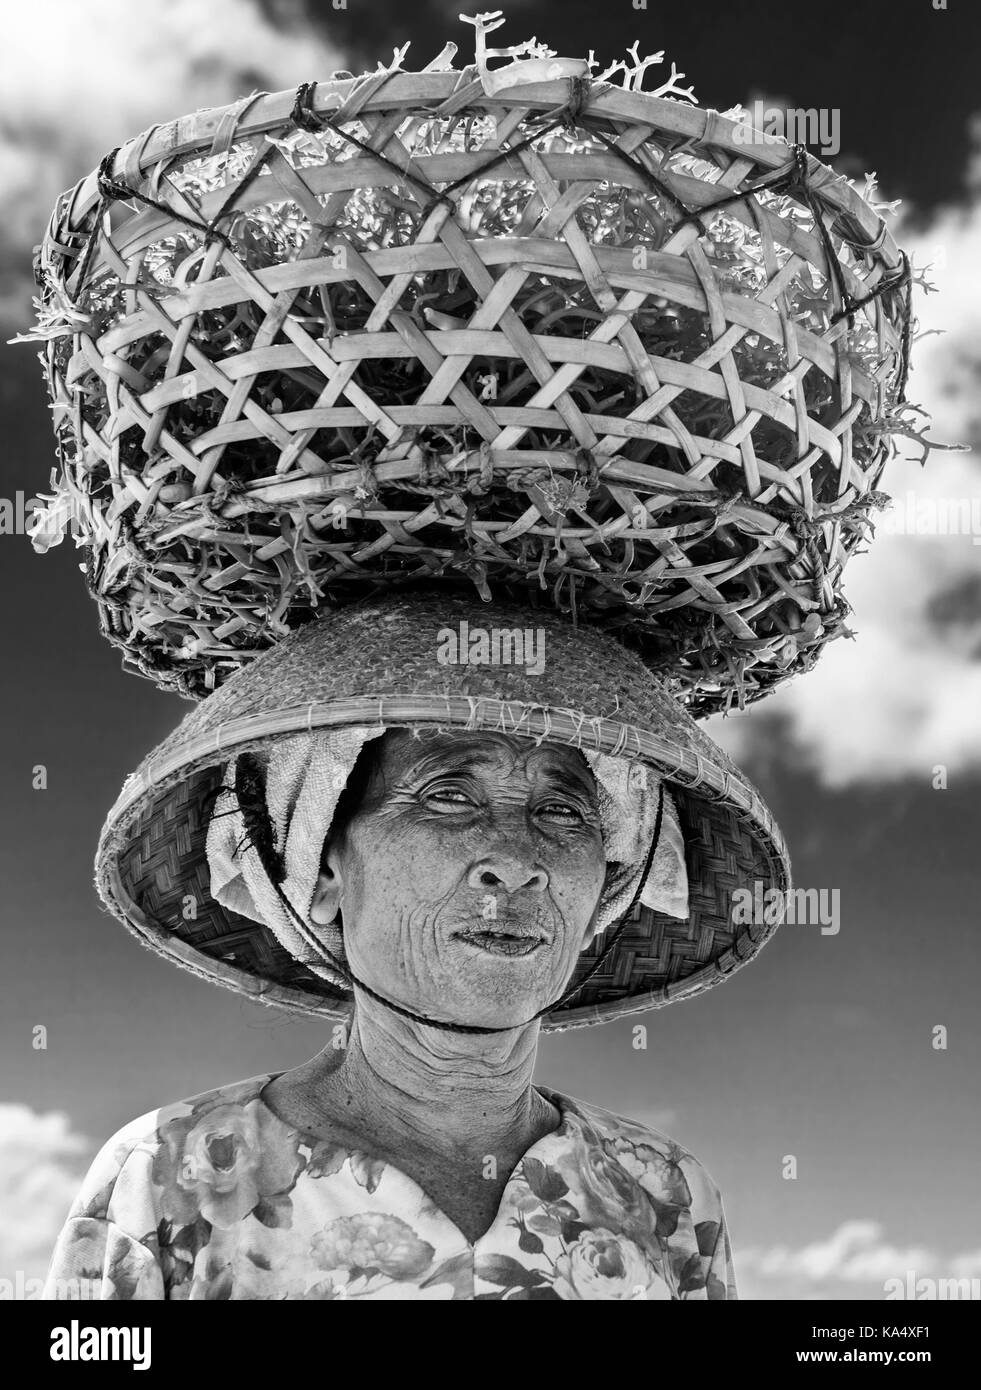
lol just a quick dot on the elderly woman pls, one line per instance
(373, 850)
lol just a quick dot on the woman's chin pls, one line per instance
(492, 989)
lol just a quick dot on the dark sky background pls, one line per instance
(822, 1047)
(903, 75)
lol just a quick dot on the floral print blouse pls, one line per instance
(216, 1197)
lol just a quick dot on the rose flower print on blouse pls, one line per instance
(216, 1197)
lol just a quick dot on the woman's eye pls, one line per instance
(453, 795)
(560, 810)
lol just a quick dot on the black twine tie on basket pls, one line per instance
(112, 190)
(587, 469)
(251, 794)
(794, 178)
(307, 118)
(799, 182)
(653, 182)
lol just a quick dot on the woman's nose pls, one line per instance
(507, 872)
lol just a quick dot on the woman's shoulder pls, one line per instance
(165, 1134)
(608, 1124)
(647, 1153)
(233, 1095)
(155, 1178)
(223, 1100)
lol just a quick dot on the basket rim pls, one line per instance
(262, 111)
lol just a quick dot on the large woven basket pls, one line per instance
(562, 340)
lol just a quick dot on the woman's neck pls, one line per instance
(406, 1084)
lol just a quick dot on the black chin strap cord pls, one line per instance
(342, 970)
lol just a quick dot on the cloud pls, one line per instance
(855, 1261)
(903, 697)
(42, 1163)
(109, 69)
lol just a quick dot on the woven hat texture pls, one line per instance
(375, 663)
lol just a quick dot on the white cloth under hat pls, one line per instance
(305, 775)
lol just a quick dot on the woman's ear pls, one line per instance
(326, 900)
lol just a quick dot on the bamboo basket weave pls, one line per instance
(421, 326)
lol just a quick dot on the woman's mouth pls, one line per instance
(502, 943)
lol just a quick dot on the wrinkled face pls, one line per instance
(469, 874)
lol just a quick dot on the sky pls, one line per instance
(823, 1049)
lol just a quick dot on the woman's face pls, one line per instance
(469, 875)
